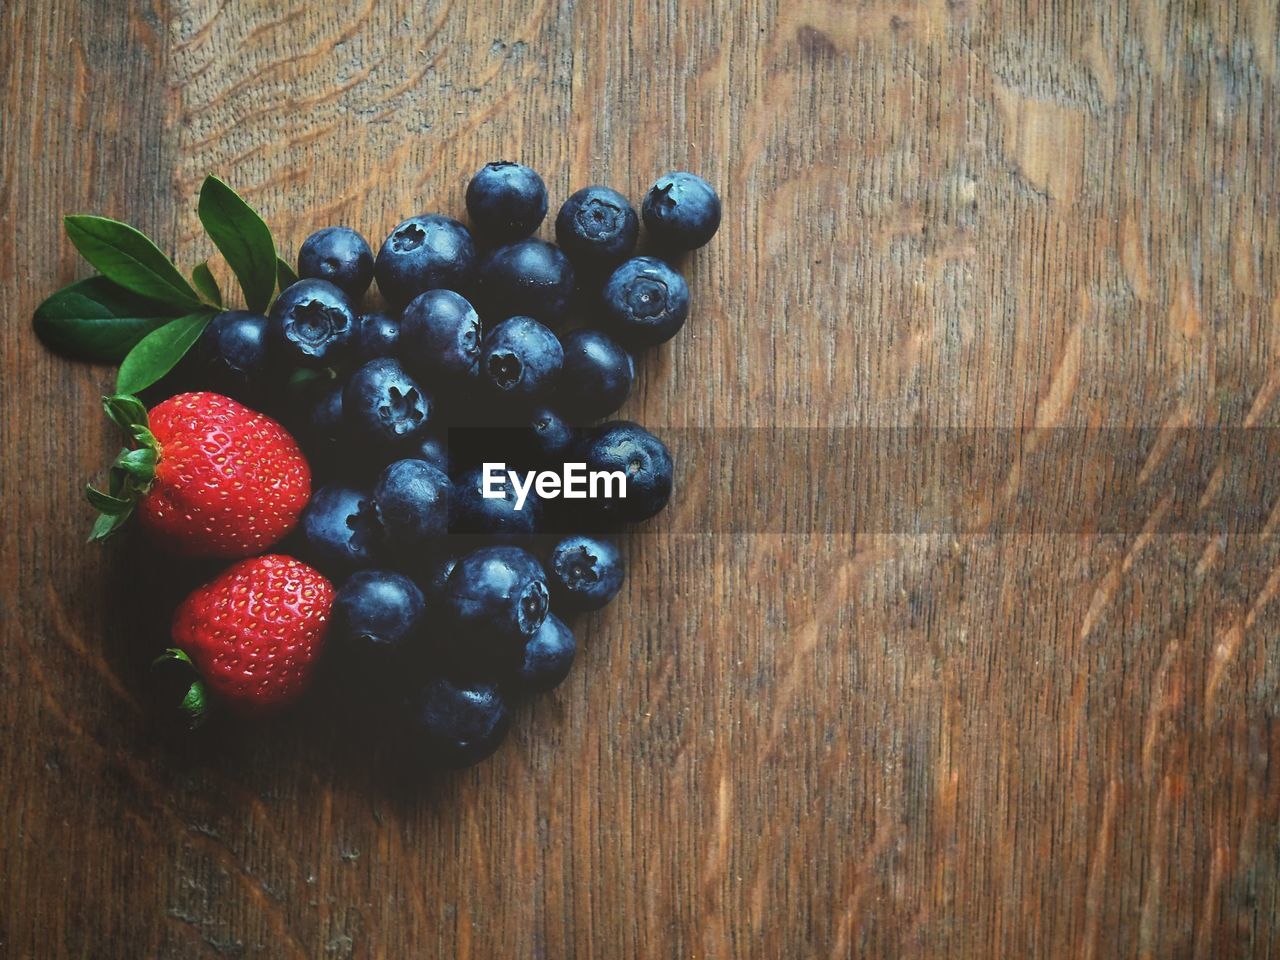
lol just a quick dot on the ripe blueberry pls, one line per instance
(548, 437)
(520, 359)
(471, 512)
(424, 253)
(529, 277)
(645, 302)
(584, 572)
(376, 613)
(626, 446)
(548, 657)
(597, 228)
(440, 336)
(377, 335)
(681, 211)
(232, 354)
(413, 503)
(458, 723)
(506, 201)
(340, 529)
(597, 375)
(384, 404)
(496, 598)
(312, 323)
(339, 255)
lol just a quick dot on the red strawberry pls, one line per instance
(254, 633)
(207, 476)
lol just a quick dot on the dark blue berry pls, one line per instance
(376, 614)
(645, 461)
(548, 437)
(506, 201)
(471, 512)
(597, 375)
(434, 449)
(529, 277)
(339, 255)
(597, 228)
(646, 302)
(584, 572)
(423, 253)
(440, 336)
(548, 657)
(681, 211)
(232, 354)
(323, 425)
(312, 323)
(520, 360)
(457, 723)
(413, 503)
(377, 335)
(340, 529)
(384, 404)
(496, 599)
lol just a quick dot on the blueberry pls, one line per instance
(339, 255)
(584, 572)
(597, 375)
(377, 335)
(434, 449)
(376, 613)
(645, 302)
(520, 360)
(529, 277)
(312, 323)
(549, 437)
(413, 503)
(440, 336)
(681, 211)
(496, 599)
(232, 354)
(324, 427)
(506, 201)
(384, 404)
(625, 446)
(597, 228)
(548, 657)
(458, 723)
(424, 253)
(340, 529)
(471, 512)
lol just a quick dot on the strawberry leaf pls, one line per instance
(97, 320)
(125, 255)
(159, 351)
(238, 231)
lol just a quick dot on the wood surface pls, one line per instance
(794, 743)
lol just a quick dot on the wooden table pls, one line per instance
(956, 739)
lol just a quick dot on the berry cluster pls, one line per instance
(448, 600)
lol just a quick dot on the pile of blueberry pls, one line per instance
(492, 347)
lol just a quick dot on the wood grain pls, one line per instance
(814, 743)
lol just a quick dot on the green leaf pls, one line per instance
(284, 273)
(107, 524)
(125, 411)
(106, 503)
(159, 351)
(206, 284)
(238, 231)
(127, 256)
(97, 320)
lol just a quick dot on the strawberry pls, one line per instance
(253, 634)
(207, 476)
